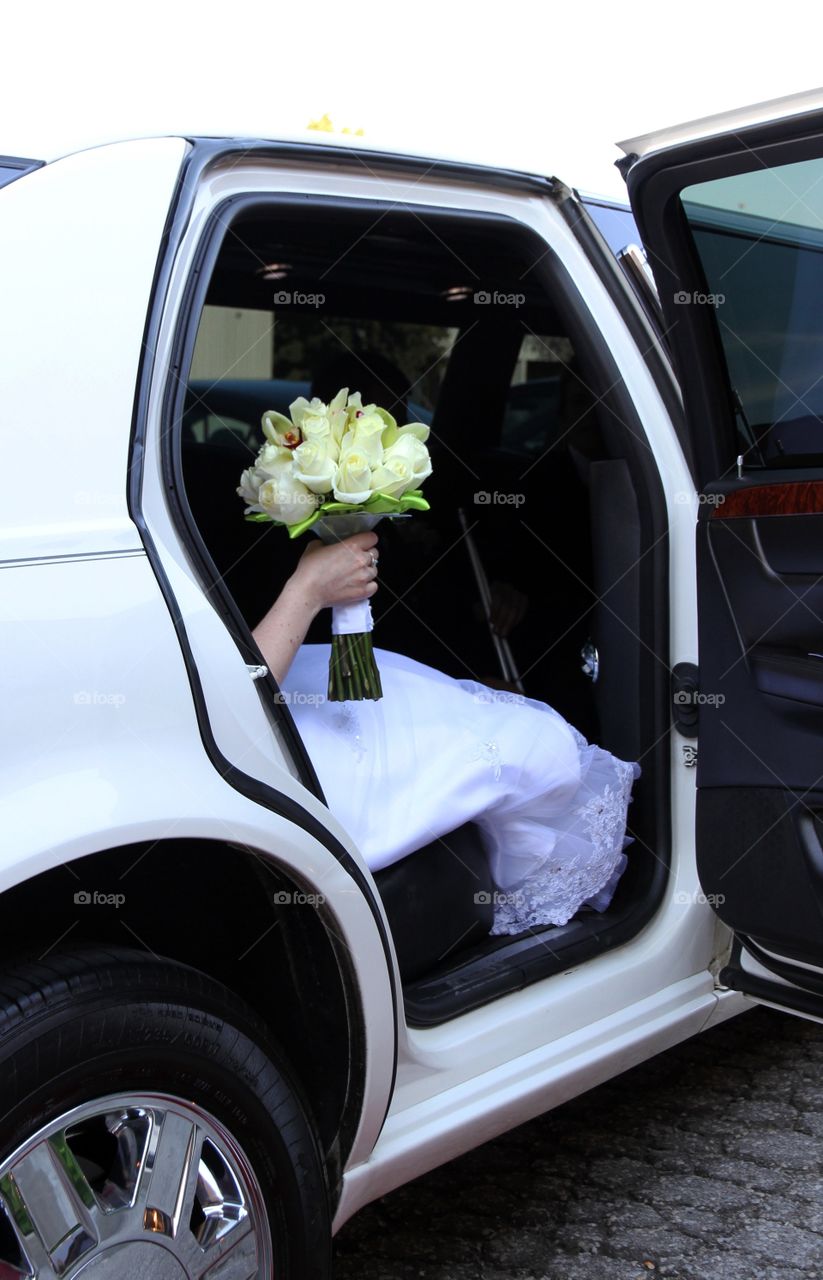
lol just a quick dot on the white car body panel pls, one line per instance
(108, 752)
(79, 238)
(457, 1119)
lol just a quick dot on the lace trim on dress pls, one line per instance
(603, 814)
(558, 889)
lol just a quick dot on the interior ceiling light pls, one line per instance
(273, 270)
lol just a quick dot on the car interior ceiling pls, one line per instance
(570, 543)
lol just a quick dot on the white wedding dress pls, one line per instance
(435, 752)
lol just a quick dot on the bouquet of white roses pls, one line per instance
(338, 468)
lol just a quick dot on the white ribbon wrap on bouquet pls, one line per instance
(351, 619)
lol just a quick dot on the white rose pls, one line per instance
(354, 483)
(318, 429)
(411, 450)
(250, 485)
(272, 458)
(393, 477)
(315, 465)
(365, 435)
(311, 417)
(284, 498)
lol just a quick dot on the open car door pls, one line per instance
(731, 212)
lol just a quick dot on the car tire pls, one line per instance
(147, 1127)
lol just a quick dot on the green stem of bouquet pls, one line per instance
(354, 668)
(336, 692)
(370, 667)
(353, 673)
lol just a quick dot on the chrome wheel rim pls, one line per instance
(132, 1187)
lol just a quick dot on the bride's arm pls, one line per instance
(338, 574)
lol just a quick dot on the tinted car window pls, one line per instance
(759, 236)
(615, 223)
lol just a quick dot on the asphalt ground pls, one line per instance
(702, 1164)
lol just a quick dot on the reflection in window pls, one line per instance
(247, 361)
(532, 416)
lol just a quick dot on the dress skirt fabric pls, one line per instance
(436, 752)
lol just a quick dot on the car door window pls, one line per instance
(759, 237)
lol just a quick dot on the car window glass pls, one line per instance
(615, 222)
(532, 416)
(759, 237)
(247, 361)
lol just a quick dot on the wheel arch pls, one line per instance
(236, 914)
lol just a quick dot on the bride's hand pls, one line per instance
(338, 574)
